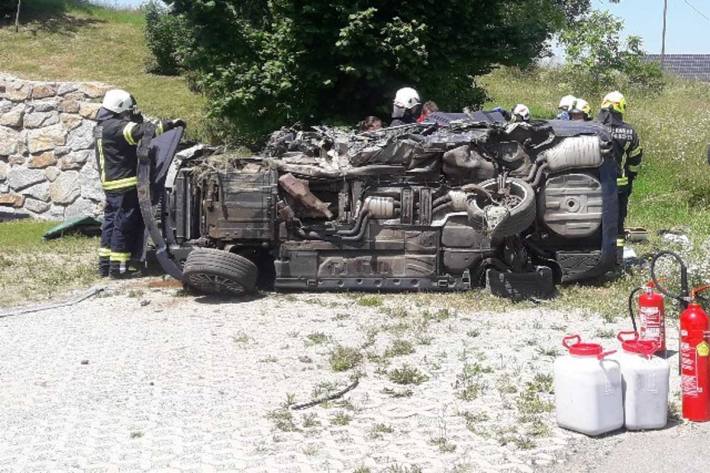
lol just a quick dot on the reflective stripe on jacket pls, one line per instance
(116, 144)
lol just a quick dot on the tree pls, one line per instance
(597, 58)
(265, 63)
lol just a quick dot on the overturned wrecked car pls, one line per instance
(460, 201)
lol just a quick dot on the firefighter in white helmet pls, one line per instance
(566, 104)
(627, 151)
(120, 127)
(406, 107)
(521, 113)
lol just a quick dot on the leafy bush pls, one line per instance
(165, 35)
(266, 63)
(597, 59)
(7, 7)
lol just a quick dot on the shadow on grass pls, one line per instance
(51, 16)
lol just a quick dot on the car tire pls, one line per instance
(219, 272)
(520, 217)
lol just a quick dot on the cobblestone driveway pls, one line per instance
(144, 380)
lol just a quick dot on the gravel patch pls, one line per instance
(148, 378)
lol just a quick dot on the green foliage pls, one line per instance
(267, 63)
(165, 35)
(597, 59)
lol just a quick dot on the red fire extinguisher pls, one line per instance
(651, 315)
(695, 360)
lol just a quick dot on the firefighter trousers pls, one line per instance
(121, 232)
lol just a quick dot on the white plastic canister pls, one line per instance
(644, 382)
(588, 395)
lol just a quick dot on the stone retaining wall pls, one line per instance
(47, 164)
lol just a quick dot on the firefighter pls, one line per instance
(521, 113)
(120, 127)
(406, 107)
(580, 111)
(627, 151)
(566, 104)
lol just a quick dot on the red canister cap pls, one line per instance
(581, 349)
(586, 349)
(641, 347)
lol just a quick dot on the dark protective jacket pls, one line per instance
(627, 146)
(116, 143)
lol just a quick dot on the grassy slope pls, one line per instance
(67, 40)
(32, 269)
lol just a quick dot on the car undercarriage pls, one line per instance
(454, 203)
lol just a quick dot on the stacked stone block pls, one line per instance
(47, 164)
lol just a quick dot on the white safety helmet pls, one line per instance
(521, 112)
(405, 99)
(118, 101)
(567, 102)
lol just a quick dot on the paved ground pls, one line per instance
(146, 379)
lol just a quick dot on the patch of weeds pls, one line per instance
(468, 382)
(290, 400)
(529, 402)
(537, 325)
(438, 316)
(305, 359)
(370, 338)
(136, 434)
(341, 316)
(542, 383)
(538, 428)
(608, 317)
(423, 339)
(316, 338)
(378, 431)
(292, 334)
(397, 468)
(310, 420)
(344, 358)
(370, 301)
(282, 419)
(606, 333)
(362, 469)
(443, 444)
(324, 389)
(523, 442)
(135, 293)
(341, 418)
(241, 338)
(504, 386)
(395, 393)
(269, 359)
(310, 450)
(397, 312)
(399, 347)
(558, 327)
(549, 351)
(473, 333)
(473, 419)
(407, 374)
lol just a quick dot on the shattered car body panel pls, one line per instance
(420, 207)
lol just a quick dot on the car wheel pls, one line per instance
(219, 272)
(520, 206)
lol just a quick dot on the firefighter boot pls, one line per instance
(104, 266)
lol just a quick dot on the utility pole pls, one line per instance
(17, 16)
(663, 42)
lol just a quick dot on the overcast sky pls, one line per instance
(688, 22)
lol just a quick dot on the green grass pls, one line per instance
(32, 269)
(69, 40)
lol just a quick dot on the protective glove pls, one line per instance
(179, 122)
